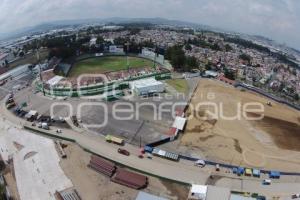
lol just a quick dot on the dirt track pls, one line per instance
(265, 143)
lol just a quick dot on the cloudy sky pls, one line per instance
(276, 19)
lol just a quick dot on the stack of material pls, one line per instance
(102, 166)
(165, 154)
(130, 179)
(68, 194)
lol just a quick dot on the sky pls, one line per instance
(275, 19)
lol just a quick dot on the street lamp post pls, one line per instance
(127, 60)
(40, 69)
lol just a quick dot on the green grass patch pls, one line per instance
(180, 85)
(106, 64)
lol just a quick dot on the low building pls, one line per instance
(204, 192)
(210, 74)
(147, 86)
(198, 192)
(145, 196)
(116, 49)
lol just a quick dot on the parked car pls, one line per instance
(141, 156)
(10, 100)
(17, 110)
(267, 182)
(22, 113)
(10, 105)
(123, 151)
(217, 167)
(295, 196)
(149, 155)
(200, 163)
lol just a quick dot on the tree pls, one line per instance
(191, 62)
(21, 54)
(229, 74)
(100, 40)
(2, 192)
(296, 97)
(208, 66)
(188, 47)
(228, 47)
(245, 57)
(176, 56)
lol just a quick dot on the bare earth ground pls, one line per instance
(12, 185)
(273, 142)
(94, 186)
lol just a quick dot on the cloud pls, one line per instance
(277, 19)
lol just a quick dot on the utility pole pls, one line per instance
(155, 56)
(127, 60)
(40, 69)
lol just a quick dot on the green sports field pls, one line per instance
(106, 64)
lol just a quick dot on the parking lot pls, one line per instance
(16, 84)
(145, 125)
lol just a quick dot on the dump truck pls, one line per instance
(113, 139)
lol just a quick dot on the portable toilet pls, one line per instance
(240, 171)
(248, 172)
(256, 173)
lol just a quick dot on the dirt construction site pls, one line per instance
(272, 142)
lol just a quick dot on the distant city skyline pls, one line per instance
(275, 19)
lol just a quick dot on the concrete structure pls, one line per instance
(53, 81)
(146, 86)
(203, 192)
(116, 49)
(35, 161)
(146, 196)
(197, 192)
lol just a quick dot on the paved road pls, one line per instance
(182, 171)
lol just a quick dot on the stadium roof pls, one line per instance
(146, 82)
(53, 81)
